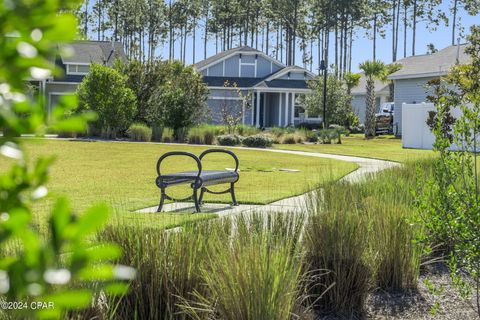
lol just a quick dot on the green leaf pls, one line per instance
(103, 252)
(116, 288)
(74, 299)
(91, 221)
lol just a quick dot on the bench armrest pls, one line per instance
(204, 153)
(179, 153)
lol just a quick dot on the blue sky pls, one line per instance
(362, 47)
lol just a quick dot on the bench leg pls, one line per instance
(232, 192)
(202, 192)
(195, 199)
(162, 200)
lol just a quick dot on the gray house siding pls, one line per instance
(231, 65)
(358, 106)
(409, 91)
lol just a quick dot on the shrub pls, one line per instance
(289, 139)
(257, 141)
(194, 136)
(157, 132)
(180, 102)
(311, 136)
(326, 136)
(246, 131)
(167, 135)
(104, 90)
(229, 140)
(139, 132)
(277, 131)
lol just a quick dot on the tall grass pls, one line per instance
(246, 268)
(139, 132)
(337, 257)
(363, 235)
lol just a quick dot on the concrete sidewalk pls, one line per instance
(367, 166)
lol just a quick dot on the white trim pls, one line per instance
(256, 63)
(208, 69)
(77, 63)
(230, 88)
(283, 90)
(293, 108)
(243, 112)
(252, 108)
(63, 82)
(280, 109)
(239, 65)
(223, 98)
(68, 66)
(418, 75)
(223, 70)
(292, 70)
(287, 94)
(247, 63)
(271, 67)
(265, 103)
(257, 120)
(246, 53)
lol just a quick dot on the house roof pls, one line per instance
(285, 70)
(380, 87)
(431, 65)
(94, 51)
(223, 54)
(287, 84)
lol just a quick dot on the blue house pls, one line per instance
(272, 89)
(74, 60)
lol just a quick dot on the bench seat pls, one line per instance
(208, 177)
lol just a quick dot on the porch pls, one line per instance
(275, 108)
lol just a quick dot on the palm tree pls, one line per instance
(351, 81)
(389, 69)
(373, 70)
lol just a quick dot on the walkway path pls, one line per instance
(366, 166)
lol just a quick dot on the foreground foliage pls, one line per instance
(450, 205)
(50, 274)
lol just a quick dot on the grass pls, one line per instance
(382, 147)
(244, 268)
(123, 174)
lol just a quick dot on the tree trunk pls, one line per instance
(405, 26)
(205, 37)
(375, 37)
(414, 26)
(370, 111)
(454, 24)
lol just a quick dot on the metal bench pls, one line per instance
(199, 179)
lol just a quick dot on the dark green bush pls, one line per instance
(229, 140)
(326, 136)
(258, 141)
(139, 132)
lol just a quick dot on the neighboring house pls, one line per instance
(411, 81)
(274, 90)
(359, 94)
(74, 61)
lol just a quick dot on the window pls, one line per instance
(300, 110)
(78, 69)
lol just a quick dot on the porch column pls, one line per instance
(265, 104)
(252, 104)
(280, 109)
(257, 122)
(293, 109)
(286, 108)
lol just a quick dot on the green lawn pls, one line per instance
(123, 174)
(383, 147)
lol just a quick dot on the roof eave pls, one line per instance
(417, 75)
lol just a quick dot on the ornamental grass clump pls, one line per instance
(337, 258)
(258, 141)
(257, 274)
(229, 140)
(139, 132)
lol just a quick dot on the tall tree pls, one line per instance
(373, 70)
(472, 7)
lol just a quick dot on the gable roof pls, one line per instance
(285, 70)
(380, 86)
(228, 53)
(94, 51)
(431, 65)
